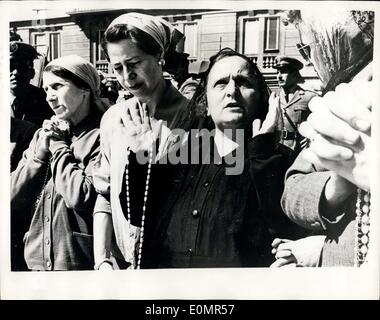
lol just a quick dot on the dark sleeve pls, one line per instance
(268, 164)
(22, 133)
(72, 178)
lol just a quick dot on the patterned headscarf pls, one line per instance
(85, 71)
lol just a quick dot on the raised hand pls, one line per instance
(137, 127)
(271, 119)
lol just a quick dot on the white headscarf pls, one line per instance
(85, 71)
(159, 29)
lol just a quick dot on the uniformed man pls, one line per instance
(293, 101)
(27, 101)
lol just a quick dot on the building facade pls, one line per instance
(259, 34)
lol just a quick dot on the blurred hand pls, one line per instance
(271, 119)
(339, 128)
(304, 252)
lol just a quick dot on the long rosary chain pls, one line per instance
(362, 227)
(141, 239)
(38, 199)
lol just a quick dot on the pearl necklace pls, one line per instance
(141, 239)
(362, 227)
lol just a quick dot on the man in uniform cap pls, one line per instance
(27, 101)
(28, 110)
(293, 101)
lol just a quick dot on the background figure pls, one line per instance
(14, 36)
(328, 186)
(52, 193)
(177, 65)
(27, 101)
(109, 88)
(22, 132)
(196, 72)
(293, 102)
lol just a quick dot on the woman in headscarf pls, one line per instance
(136, 46)
(53, 183)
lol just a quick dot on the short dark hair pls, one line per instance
(141, 39)
(68, 75)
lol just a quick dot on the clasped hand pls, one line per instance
(52, 130)
(304, 252)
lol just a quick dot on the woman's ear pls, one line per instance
(86, 92)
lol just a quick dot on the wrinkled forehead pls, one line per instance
(229, 66)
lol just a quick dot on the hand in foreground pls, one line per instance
(271, 119)
(304, 252)
(138, 127)
(339, 128)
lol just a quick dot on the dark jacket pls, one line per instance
(21, 134)
(31, 106)
(212, 219)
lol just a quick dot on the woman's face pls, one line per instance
(232, 94)
(136, 71)
(66, 100)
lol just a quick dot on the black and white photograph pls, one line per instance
(190, 150)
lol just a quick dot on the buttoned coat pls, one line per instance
(59, 235)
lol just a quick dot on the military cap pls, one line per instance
(288, 62)
(21, 50)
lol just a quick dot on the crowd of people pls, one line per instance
(212, 171)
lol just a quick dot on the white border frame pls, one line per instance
(247, 283)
